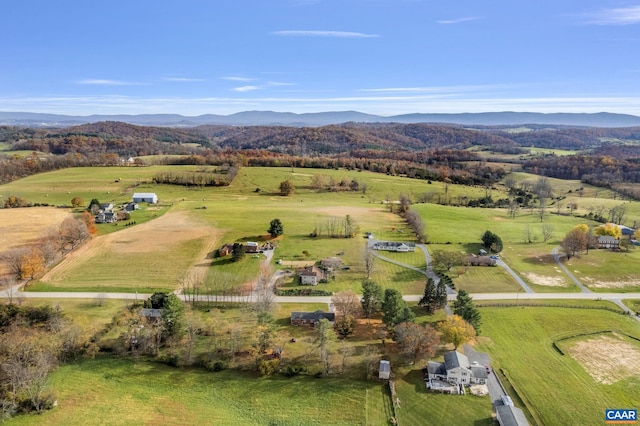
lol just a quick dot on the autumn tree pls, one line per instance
(456, 330)
(346, 303)
(416, 341)
(465, 308)
(345, 326)
(26, 262)
(76, 202)
(609, 229)
(90, 221)
(287, 187)
(372, 297)
(369, 259)
(72, 232)
(575, 241)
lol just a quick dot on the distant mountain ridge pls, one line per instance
(271, 118)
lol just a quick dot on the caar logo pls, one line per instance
(620, 416)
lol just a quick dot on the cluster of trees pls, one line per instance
(329, 183)
(492, 242)
(33, 341)
(30, 261)
(199, 179)
(335, 227)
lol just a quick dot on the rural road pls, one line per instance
(556, 257)
(511, 272)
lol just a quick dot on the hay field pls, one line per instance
(24, 227)
(152, 256)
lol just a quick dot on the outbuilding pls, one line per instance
(145, 197)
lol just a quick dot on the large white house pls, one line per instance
(145, 197)
(455, 370)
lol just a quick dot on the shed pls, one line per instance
(311, 318)
(251, 247)
(145, 197)
(384, 371)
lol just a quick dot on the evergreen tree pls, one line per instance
(429, 298)
(441, 295)
(238, 252)
(276, 228)
(371, 298)
(464, 307)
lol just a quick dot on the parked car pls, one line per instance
(494, 257)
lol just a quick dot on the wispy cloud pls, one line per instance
(106, 82)
(183, 79)
(436, 89)
(245, 88)
(235, 78)
(458, 20)
(616, 16)
(339, 34)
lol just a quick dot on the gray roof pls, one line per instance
(455, 359)
(315, 316)
(479, 371)
(511, 416)
(607, 239)
(436, 368)
(385, 366)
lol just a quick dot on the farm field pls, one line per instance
(135, 259)
(520, 341)
(604, 270)
(24, 227)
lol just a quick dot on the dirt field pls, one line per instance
(22, 227)
(545, 280)
(611, 284)
(155, 247)
(608, 358)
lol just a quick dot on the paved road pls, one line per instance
(556, 257)
(511, 272)
(496, 391)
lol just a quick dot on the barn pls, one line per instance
(145, 197)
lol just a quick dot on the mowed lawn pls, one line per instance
(120, 391)
(556, 388)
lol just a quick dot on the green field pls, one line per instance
(112, 391)
(555, 388)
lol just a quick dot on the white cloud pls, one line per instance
(437, 89)
(183, 79)
(105, 82)
(458, 20)
(245, 88)
(234, 78)
(307, 33)
(617, 16)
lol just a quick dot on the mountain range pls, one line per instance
(271, 118)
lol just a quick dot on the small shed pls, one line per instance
(145, 197)
(251, 247)
(384, 371)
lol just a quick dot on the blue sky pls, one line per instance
(382, 57)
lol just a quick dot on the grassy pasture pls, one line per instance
(555, 387)
(124, 392)
(606, 271)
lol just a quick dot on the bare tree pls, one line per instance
(73, 232)
(513, 208)
(369, 262)
(264, 297)
(547, 232)
(346, 303)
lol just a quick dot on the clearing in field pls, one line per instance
(608, 359)
(621, 283)
(25, 226)
(153, 255)
(545, 280)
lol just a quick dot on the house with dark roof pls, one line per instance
(455, 370)
(311, 318)
(106, 217)
(225, 250)
(608, 242)
(508, 415)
